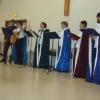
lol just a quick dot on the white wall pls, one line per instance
(1, 36)
(0, 16)
(51, 11)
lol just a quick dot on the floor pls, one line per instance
(26, 83)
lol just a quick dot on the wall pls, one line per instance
(1, 36)
(51, 11)
(0, 16)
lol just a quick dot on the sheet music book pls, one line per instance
(74, 36)
(29, 34)
(52, 35)
(35, 34)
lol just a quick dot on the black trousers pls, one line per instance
(6, 47)
(19, 47)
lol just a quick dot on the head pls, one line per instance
(43, 25)
(64, 24)
(11, 23)
(98, 17)
(20, 24)
(24, 25)
(83, 24)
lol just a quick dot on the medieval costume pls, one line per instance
(41, 54)
(81, 57)
(64, 51)
(93, 68)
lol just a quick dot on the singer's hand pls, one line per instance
(30, 30)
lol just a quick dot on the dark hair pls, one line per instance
(21, 23)
(98, 14)
(13, 21)
(65, 23)
(84, 22)
(45, 24)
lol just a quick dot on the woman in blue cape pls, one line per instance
(96, 78)
(64, 50)
(93, 69)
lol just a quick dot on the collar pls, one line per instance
(43, 29)
(65, 29)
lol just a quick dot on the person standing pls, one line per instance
(81, 54)
(62, 63)
(93, 70)
(9, 29)
(19, 50)
(41, 54)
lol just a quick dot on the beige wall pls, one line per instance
(0, 16)
(51, 11)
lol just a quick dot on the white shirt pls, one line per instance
(40, 37)
(79, 41)
(98, 28)
(97, 38)
(80, 34)
(21, 35)
(61, 35)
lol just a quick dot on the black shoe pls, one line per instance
(10, 60)
(3, 60)
(20, 64)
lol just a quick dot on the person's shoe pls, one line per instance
(10, 61)
(2, 60)
(20, 64)
(5, 62)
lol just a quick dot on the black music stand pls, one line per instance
(53, 36)
(30, 35)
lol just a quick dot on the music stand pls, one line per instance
(53, 36)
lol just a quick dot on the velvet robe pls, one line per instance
(41, 54)
(64, 53)
(81, 57)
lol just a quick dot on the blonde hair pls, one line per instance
(65, 23)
